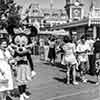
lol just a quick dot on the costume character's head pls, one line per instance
(22, 41)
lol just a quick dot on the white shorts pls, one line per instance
(69, 59)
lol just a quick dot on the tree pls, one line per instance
(9, 15)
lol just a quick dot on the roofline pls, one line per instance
(36, 16)
(72, 24)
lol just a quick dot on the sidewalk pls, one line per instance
(49, 85)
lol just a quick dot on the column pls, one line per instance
(94, 32)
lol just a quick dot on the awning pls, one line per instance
(60, 32)
(45, 32)
(72, 24)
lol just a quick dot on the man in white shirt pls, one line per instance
(82, 49)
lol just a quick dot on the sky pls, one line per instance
(45, 3)
(59, 3)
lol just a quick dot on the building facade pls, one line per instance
(46, 17)
(86, 25)
(74, 9)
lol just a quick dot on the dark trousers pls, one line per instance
(92, 64)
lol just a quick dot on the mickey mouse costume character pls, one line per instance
(25, 68)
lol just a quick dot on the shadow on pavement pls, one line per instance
(62, 80)
(46, 63)
(59, 65)
(92, 82)
(64, 71)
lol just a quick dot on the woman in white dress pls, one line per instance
(6, 80)
(69, 59)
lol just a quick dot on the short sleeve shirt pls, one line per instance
(69, 48)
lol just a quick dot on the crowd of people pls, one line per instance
(16, 67)
(81, 56)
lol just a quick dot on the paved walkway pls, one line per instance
(49, 85)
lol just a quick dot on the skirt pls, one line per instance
(52, 53)
(23, 74)
(6, 80)
(46, 49)
(41, 51)
(83, 58)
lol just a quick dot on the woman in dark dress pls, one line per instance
(52, 52)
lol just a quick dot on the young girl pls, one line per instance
(69, 59)
(5, 69)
